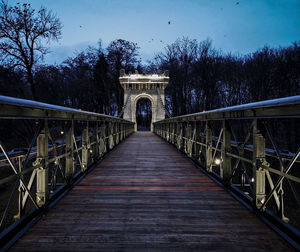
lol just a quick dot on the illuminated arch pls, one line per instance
(153, 107)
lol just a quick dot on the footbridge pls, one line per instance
(226, 179)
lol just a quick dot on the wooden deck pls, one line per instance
(146, 196)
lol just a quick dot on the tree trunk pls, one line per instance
(32, 84)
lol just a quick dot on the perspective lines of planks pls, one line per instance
(146, 196)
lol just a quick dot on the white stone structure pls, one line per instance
(150, 86)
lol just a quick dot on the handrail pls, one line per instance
(55, 157)
(285, 107)
(236, 144)
(11, 107)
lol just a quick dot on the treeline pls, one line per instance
(201, 77)
(87, 81)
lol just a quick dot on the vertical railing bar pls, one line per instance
(69, 169)
(226, 147)
(259, 160)
(42, 171)
(84, 145)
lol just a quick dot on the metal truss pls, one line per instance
(81, 140)
(242, 159)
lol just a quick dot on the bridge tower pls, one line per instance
(150, 86)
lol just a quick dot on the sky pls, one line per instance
(236, 26)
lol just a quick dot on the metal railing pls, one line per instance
(244, 147)
(64, 143)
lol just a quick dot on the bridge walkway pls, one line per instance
(146, 196)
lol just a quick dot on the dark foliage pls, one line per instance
(201, 78)
(23, 33)
(121, 54)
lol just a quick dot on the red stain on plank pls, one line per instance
(149, 188)
(152, 180)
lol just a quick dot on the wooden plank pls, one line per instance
(147, 196)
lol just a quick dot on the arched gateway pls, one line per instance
(149, 86)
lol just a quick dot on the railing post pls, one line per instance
(179, 136)
(111, 135)
(175, 126)
(197, 139)
(160, 129)
(202, 138)
(189, 142)
(113, 132)
(95, 147)
(132, 130)
(117, 132)
(226, 147)
(168, 131)
(70, 153)
(121, 132)
(125, 130)
(84, 151)
(208, 133)
(259, 160)
(102, 140)
(172, 132)
(42, 172)
(183, 134)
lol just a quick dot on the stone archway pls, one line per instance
(149, 86)
(133, 109)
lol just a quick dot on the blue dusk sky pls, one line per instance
(236, 26)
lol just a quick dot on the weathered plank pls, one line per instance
(147, 196)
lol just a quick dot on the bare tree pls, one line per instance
(179, 58)
(23, 35)
(121, 54)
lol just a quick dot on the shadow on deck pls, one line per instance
(145, 195)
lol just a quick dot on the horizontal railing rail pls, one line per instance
(62, 143)
(252, 147)
(277, 108)
(28, 109)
